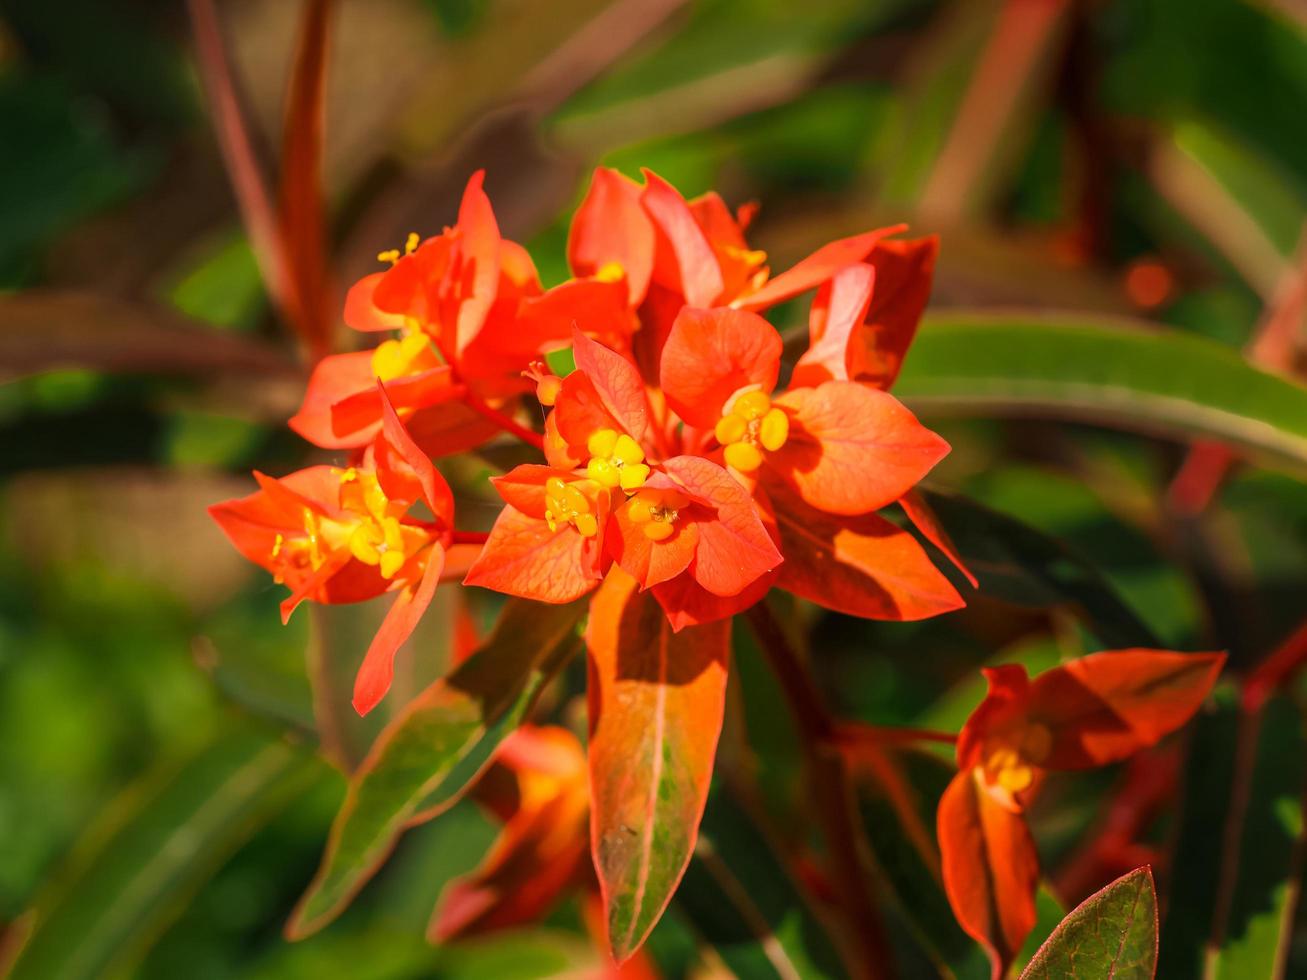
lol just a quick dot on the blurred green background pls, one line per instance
(1115, 158)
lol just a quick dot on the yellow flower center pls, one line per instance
(566, 503)
(616, 460)
(656, 512)
(750, 424)
(1010, 757)
(611, 272)
(410, 354)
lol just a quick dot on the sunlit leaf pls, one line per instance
(153, 848)
(428, 756)
(1111, 373)
(1112, 933)
(656, 705)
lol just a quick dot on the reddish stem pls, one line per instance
(505, 422)
(468, 537)
(1273, 672)
(832, 793)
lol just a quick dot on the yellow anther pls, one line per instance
(751, 405)
(748, 426)
(396, 358)
(616, 460)
(655, 511)
(1011, 757)
(391, 563)
(731, 428)
(1015, 779)
(278, 543)
(566, 503)
(611, 272)
(390, 255)
(602, 442)
(774, 430)
(743, 456)
(412, 242)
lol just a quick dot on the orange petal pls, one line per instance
(611, 226)
(816, 269)
(837, 313)
(991, 869)
(1107, 706)
(684, 259)
(378, 668)
(523, 557)
(404, 471)
(616, 381)
(853, 449)
(333, 379)
(711, 354)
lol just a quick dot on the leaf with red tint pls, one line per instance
(853, 449)
(656, 705)
(361, 411)
(378, 667)
(524, 558)
(838, 309)
(1112, 933)
(611, 226)
(616, 381)
(924, 519)
(1106, 706)
(543, 843)
(711, 354)
(862, 566)
(816, 269)
(479, 247)
(303, 218)
(684, 261)
(734, 548)
(990, 866)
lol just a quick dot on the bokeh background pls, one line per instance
(1143, 158)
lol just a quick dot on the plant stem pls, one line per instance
(832, 792)
(529, 436)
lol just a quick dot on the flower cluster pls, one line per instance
(672, 454)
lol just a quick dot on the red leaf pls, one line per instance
(612, 226)
(862, 566)
(991, 869)
(378, 667)
(853, 449)
(1107, 706)
(656, 705)
(711, 354)
(684, 260)
(303, 218)
(904, 273)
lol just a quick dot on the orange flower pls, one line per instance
(336, 535)
(1091, 712)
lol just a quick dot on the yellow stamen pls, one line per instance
(616, 460)
(611, 272)
(566, 503)
(750, 424)
(656, 511)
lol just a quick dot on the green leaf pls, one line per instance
(1112, 933)
(1117, 373)
(743, 902)
(153, 848)
(1254, 939)
(1019, 564)
(428, 756)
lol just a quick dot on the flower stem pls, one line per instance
(832, 793)
(505, 422)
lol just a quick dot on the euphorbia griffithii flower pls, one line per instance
(338, 535)
(470, 315)
(1090, 712)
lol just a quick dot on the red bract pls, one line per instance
(344, 535)
(470, 314)
(1090, 712)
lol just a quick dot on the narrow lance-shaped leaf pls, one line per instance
(1120, 373)
(656, 705)
(1112, 933)
(158, 844)
(745, 904)
(428, 756)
